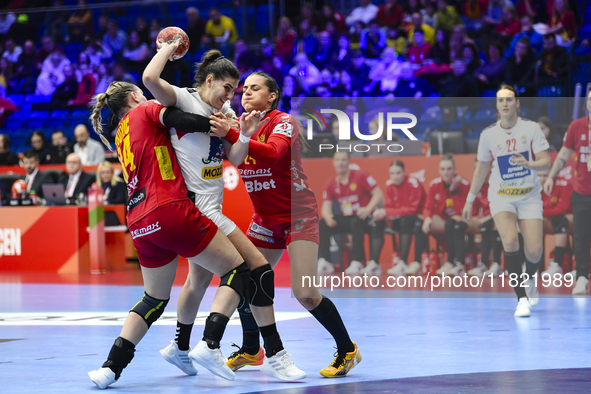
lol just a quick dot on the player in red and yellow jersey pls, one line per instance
(442, 214)
(558, 217)
(285, 212)
(482, 222)
(403, 207)
(164, 223)
(357, 195)
(578, 140)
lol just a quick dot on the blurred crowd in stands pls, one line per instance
(389, 48)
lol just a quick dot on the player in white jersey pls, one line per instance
(516, 149)
(200, 159)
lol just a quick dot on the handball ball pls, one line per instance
(169, 34)
(19, 187)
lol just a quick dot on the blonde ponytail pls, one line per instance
(96, 118)
(115, 98)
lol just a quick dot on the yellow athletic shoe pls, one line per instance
(241, 359)
(342, 364)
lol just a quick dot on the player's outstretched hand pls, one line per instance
(168, 48)
(467, 212)
(548, 186)
(219, 125)
(519, 160)
(250, 122)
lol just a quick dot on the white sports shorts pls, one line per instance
(211, 206)
(530, 208)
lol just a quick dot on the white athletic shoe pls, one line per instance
(413, 268)
(457, 270)
(554, 268)
(102, 377)
(179, 358)
(582, 286)
(479, 270)
(399, 269)
(532, 292)
(282, 367)
(445, 268)
(212, 359)
(324, 267)
(354, 268)
(372, 268)
(523, 308)
(495, 269)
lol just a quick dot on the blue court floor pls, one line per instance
(51, 335)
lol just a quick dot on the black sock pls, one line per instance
(460, 242)
(273, 344)
(120, 356)
(513, 262)
(405, 240)
(215, 325)
(531, 268)
(450, 241)
(559, 253)
(250, 329)
(183, 335)
(328, 315)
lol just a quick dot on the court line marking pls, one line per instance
(111, 318)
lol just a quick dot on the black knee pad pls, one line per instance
(560, 224)
(261, 288)
(407, 224)
(487, 227)
(237, 279)
(149, 308)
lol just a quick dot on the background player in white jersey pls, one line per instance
(200, 159)
(515, 148)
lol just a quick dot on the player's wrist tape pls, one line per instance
(471, 197)
(244, 138)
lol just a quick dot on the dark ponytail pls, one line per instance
(217, 65)
(273, 87)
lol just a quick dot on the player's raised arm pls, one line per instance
(161, 89)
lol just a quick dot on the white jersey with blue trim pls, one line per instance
(199, 155)
(498, 145)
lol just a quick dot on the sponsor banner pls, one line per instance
(136, 199)
(44, 239)
(261, 237)
(212, 172)
(149, 229)
(261, 230)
